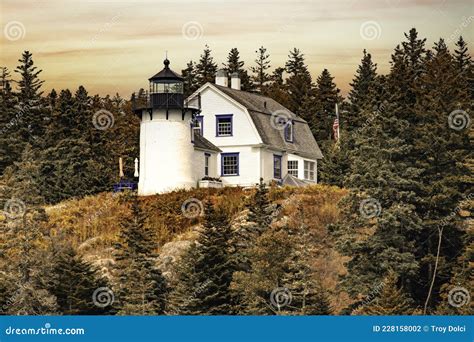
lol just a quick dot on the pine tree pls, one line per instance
(29, 100)
(142, 288)
(73, 282)
(299, 84)
(206, 68)
(190, 79)
(464, 63)
(326, 97)
(280, 279)
(362, 92)
(25, 265)
(335, 165)
(205, 272)
(439, 152)
(11, 143)
(25, 182)
(276, 88)
(267, 259)
(261, 77)
(235, 65)
(308, 295)
(391, 300)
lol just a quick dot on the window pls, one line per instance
(172, 87)
(195, 129)
(207, 156)
(229, 164)
(293, 168)
(289, 131)
(200, 121)
(276, 166)
(224, 125)
(309, 170)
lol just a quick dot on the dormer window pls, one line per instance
(289, 131)
(224, 125)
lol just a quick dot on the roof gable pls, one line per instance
(262, 111)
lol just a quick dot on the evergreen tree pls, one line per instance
(235, 65)
(29, 100)
(73, 282)
(326, 97)
(206, 68)
(205, 272)
(25, 265)
(25, 182)
(439, 152)
(11, 143)
(142, 287)
(261, 77)
(391, 300)
(464, 63)
(190, 79)
(362, 92)
(280, 280)
(299, 84)
(276, 88)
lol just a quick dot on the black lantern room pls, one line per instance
(166, 89)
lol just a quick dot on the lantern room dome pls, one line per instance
(166, 75)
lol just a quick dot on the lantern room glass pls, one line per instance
(166, 87)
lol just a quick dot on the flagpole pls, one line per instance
(338, 122)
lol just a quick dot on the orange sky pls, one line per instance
(115, 45)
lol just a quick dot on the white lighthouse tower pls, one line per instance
(166, 147)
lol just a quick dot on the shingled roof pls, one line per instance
(261, 109)
(202, 143)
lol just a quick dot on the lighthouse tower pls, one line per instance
(166, 151)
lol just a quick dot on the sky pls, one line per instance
(112, 46)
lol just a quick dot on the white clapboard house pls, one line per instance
(219, 132)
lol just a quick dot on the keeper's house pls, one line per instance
(219, 132)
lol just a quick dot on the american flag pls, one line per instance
(335, 125)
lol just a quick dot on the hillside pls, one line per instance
(93, 223)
